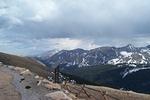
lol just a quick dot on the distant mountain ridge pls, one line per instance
(47, 54)
(103, 55)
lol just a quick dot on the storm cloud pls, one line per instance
(28, 26)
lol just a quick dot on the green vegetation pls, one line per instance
(107, 75)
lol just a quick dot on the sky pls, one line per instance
(29, 27)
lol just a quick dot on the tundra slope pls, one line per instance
(25, 62)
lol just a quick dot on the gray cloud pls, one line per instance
(100, 22)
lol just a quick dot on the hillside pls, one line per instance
(24, 62)
(123, 77)
(89, 92)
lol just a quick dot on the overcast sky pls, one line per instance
(34, 26)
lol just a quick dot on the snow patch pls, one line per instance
(114, 61)
(133, 70)
(125, 54)
(83, 63)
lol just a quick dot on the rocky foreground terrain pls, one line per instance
(21, 84)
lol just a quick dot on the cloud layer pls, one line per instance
(27, 26)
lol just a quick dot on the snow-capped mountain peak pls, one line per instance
(104, 55)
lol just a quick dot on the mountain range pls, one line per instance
(125, 67)
(103, 55)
